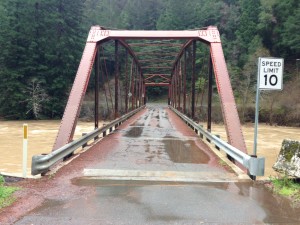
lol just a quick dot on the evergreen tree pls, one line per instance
(286, 38)
(141, 14)
(62, 52)
(247, 28)
(41, 44)
(16, 66)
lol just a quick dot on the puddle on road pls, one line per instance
(185, 152)
(134, 132)
(243, 202)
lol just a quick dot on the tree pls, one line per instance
(15, 40)
(36, 97)
(247, 28)
(286, 39)
(141, 14)
(41, 40)
(62, 55)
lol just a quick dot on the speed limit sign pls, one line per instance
(269, 77)
(270, 73)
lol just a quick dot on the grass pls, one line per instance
(6, 192)
(286, 187)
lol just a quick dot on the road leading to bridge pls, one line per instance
(154, 170)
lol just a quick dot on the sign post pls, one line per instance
(25, 147)
(269, 77)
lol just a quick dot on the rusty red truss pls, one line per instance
(159, 59)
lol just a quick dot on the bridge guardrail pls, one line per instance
(42, 163)
(255, 166)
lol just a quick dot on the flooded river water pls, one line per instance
(268, 143)
(42, 135)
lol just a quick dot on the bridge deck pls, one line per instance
(157, 145)
(152, 145)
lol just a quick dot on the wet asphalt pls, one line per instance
(157, 173)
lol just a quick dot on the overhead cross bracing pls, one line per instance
(156, 59)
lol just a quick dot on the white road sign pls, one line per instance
(270, 73)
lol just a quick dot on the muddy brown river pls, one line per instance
(42, 134)
(41, 137)
(268, 143)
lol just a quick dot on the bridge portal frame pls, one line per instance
(98, 35)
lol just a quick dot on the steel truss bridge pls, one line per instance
(145, 59)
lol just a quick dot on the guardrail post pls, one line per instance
(218, 136)
(85, 144)
(252, 176)
(201, 135)
(230, 158)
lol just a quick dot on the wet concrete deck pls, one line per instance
(154, 148)
(154, 170)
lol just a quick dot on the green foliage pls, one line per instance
(1, 180)
(286, 186)
(200, 83)
(6, 194)
(41, 41)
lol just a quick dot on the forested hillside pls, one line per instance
(41, 43)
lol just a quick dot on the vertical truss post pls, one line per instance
(175, 87)
(136, 86)
(96, 111)
(169, 94)
(179, 84)
(193, 78)
(116, 78)
(126, 81)
(184, 84)
(132, 85)
(145, 98)
(140, 88)
(209, 99)
(173, 91)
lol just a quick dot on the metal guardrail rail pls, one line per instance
(42, 163)
(255, 166)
